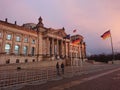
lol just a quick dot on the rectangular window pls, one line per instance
(33, 41)
(26, 39)
(9, 36)
(18, 38)
(7, 48)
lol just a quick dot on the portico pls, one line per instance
(56, 47)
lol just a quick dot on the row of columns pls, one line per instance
(56, 47)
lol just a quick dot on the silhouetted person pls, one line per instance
(62, 67)
(57, 67)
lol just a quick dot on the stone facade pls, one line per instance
(34, 43)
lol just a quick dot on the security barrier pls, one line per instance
(45, 74)
(26, 76)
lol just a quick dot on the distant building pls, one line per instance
(34, 42)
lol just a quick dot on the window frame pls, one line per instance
(9, 36)
(17, 51)
(18, 38)
(26, 39)
(7, 50)
(25, 52)
(33, 41)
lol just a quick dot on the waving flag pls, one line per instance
(67, 36)
(77, 41)
(74, 31)
(106, 34)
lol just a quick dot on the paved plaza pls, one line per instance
(89, 76)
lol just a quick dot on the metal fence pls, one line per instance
(31, 75)
(41, 75)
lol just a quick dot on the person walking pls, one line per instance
(57, 67)
(62, 67)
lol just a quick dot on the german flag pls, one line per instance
(74, 31)
(77, 41)
(106, 34)
(67, 37)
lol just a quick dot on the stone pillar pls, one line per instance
(57, 47)
(80, 51)
(62, 48)
(22, 43)
(53, 46)
(29, 47)
(65, 48)
(3, 42)
(69, 49)
(48, 46)
(13, 43)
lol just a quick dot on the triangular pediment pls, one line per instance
(56, 32)
(61, 33)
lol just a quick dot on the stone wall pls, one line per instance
(31, 65)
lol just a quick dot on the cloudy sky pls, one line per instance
(91, 18)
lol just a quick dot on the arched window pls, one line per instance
(25, 49)
(17, 48)
(7, 48)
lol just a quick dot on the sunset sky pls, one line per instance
(91, 18)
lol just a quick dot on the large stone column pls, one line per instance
(13, 43)
(48, 46)
(29, 47)
(65, 48)
(53, 46)
(22, 43)
(68, 49)
(62, 48)
(57, 47)
(3, 42)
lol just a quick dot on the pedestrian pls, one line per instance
(62, 67)
(57, 67)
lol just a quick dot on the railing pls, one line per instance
(26, 76)
(41, 75)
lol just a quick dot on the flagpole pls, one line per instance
(112, 47)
